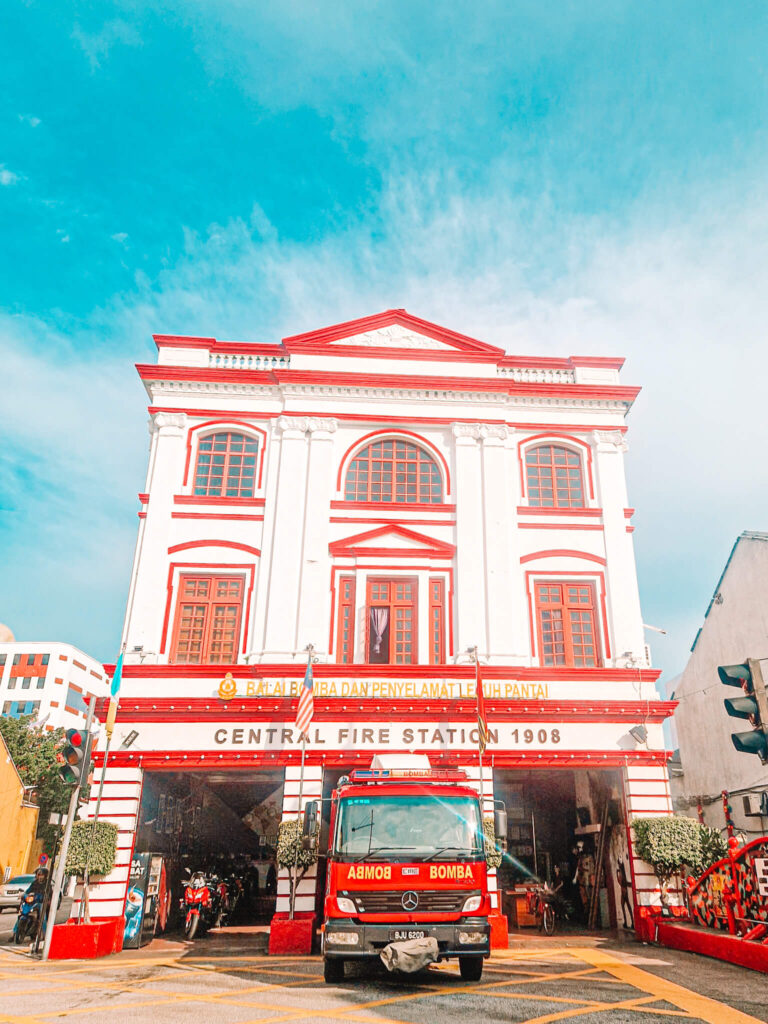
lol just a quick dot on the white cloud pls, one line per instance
(97, 45)
(120, 236)
(33, 122)
(7, 177)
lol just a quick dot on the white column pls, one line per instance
(143, 623)
(119, 804)
(470, 556)
(314, 583)
(285, 571)
(499, 593)
(623, 598)
(312, 789)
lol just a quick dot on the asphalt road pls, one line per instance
(220, 978)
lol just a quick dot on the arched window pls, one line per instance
(554, 477)
(393, 470)
(226, 465)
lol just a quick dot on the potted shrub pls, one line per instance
(91, 853)
(291, 932)
(672, 844)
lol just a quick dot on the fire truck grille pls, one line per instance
(432, 901)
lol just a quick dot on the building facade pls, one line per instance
(734, 629)
(53, 681)
(394, 495)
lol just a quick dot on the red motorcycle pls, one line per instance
(204, 904)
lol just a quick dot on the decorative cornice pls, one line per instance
(610, 440)
(481, 431)
(172, 424)
(306, 424)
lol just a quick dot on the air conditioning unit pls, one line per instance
(756, 805)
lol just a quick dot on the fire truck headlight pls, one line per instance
(346, 905)
(471, 938)
(472, 904)
(342, 938)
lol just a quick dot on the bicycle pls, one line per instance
(541, 903)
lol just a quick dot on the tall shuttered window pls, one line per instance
(567, 624)
(208, 616)
(391, 621)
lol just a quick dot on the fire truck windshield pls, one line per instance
(408, 828)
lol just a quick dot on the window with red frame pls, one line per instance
(567, 624)
(391, 618)
(345, 638)
(208, 615)
(436, 621)
(554, 477)
(226, 465)
(395, 471)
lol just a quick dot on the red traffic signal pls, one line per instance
(76, 756)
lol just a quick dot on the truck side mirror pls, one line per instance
(310, 818)
(500, 824)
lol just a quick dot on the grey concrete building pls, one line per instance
(735, 628)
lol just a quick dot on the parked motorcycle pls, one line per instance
(204, 904)
(29, 917)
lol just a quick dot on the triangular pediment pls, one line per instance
(394, 330)
(393, 540)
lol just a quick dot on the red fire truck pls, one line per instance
(406, 860)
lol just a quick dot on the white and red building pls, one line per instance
(52, 681)
(392, 493)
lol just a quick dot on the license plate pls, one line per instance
(403, 934)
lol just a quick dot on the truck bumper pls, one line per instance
(452, 937)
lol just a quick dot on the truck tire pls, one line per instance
(471, 968)
(333, 970)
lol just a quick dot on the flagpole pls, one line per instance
(298, 821)
(480, 751)
(310, 649)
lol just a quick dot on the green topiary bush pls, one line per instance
(672, 844)
(293, 853)
(102, 851)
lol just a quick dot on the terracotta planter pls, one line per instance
(73, 941)
(291, 938)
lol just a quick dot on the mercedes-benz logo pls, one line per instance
(410, 900)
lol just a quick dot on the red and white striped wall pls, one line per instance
(120, 803)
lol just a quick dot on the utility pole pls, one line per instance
(62, 859)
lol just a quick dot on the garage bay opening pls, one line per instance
(217, 826)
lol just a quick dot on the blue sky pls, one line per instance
(554, 178)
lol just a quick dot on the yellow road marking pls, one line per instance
(697, 1005)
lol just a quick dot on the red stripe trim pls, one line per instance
(332, 709)
(562, 553)
(213, 544)
(216, 515)
(513, 673)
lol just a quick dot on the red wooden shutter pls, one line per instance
(436, 620)
(206, 629)
(345, 635)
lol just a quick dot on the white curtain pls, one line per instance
(379, 620)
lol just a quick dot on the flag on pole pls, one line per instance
(306, 706)
(482, 719)
(114, 689)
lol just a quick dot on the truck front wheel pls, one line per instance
(333, 970)
(471, 967)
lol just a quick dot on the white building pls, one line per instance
(392, 493)
(735, 628)
(52, 681)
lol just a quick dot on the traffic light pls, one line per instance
(75, 757)
(753, 706)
